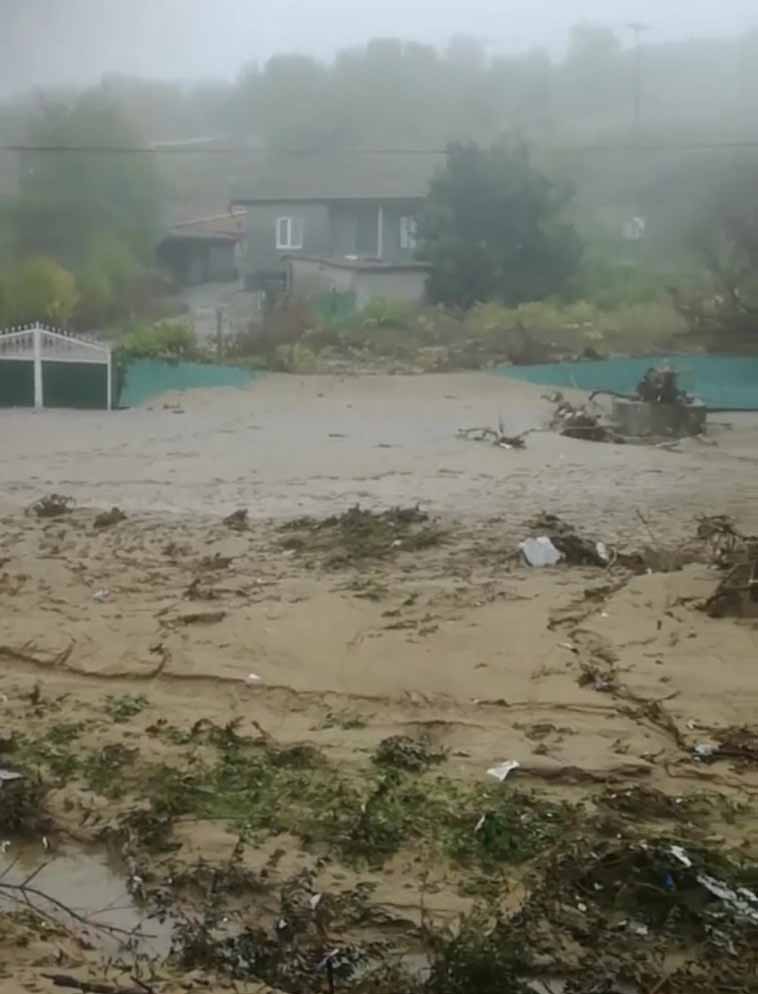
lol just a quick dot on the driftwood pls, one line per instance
(90, 987)
(496, 436)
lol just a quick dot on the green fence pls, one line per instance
(722, 382)
(148, 378)
(16, 383)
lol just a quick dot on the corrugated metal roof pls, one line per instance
(227, 227)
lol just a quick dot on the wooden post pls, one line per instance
(220, 332)
(380, 232)
(39, 398)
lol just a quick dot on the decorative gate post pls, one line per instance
(39, 398)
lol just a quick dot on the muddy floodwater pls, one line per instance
(290, 723)
(91, 883)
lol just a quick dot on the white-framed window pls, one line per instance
(289, 233)
(408, 231)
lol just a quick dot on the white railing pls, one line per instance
(37, 343)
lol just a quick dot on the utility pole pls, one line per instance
(637, 28)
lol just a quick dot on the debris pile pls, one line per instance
(107, 519)
(237, 520)
(359, 534)
(496, 436)
(737, 592)
(572, 547)
(584, 423)
(52, 506)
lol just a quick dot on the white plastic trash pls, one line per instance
(501, 771)
(253, 680)
(540, 551)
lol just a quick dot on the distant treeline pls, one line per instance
(99, 215)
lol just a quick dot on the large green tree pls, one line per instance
(492, 228)
(68, 200)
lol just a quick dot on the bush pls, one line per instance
(39, 289)
(383, 313)
(170, 340)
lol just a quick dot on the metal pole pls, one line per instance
(110, 381)
(39, 399)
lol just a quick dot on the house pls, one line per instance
(205, 249)
(347, 236)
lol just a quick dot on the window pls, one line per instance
(408, 233)
(289, 233)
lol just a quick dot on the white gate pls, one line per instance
(40, 345)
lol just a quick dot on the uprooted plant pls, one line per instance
(359, 534)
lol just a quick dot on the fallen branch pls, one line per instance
(22, 894)
(498, 437)
(74, 983)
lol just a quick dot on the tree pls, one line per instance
(41, 290)
(492, 229)
(69, 199)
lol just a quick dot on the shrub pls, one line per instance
(172, 340)
(41, 290)
(381, 312)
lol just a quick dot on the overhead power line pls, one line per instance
(174, 150)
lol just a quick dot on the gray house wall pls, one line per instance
(262, 253)
(330, 230)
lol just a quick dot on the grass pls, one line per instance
(123, 708)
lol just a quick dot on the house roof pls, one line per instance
(356, 177)
(228, 227)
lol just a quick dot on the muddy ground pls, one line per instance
(278, 730)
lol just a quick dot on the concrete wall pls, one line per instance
(310, 278)
(398, 285)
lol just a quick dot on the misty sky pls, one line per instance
(49, 41)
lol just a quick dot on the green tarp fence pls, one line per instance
(148, 378)
(723, 382)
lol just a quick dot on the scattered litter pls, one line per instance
(480, 824)
(540, 552)
(315, 901)
(5, 846)
(237, 520)
(253, 680)
(502, 770)
(109, 518)
(102, 596)
(679, 854)
(744, 902)
(574, 548)
(8, 776)
(704, 750)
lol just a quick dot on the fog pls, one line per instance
(46, 42)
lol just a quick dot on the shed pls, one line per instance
(359, 280)
(204, 250)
